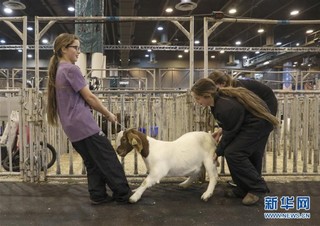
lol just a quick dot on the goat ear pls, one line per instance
(135, 141)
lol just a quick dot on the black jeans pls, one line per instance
(103, 168)
(244, 157)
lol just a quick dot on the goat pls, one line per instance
(182, 157)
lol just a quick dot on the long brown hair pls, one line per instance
(219, 77)
(63, 40)
(247, 98)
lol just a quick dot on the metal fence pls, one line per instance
(293, 148)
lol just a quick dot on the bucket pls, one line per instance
(154, 130)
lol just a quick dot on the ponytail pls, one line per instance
(51, 101)
(251, 102)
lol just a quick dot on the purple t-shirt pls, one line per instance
(75, 114)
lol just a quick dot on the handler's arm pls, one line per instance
(96, 104)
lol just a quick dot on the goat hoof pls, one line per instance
(205, 197)
(133, 199)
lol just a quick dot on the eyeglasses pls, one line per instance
(75, 47)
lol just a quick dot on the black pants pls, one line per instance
(103, 168)
(244, 157)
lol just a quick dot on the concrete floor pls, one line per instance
(164, 204)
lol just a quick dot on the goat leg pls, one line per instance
(151, 180)
(212, 172)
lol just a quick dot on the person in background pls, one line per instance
(70, 100)
(246, 123)
(263, 91)
(221, 79)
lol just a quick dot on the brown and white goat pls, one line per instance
(182, 157)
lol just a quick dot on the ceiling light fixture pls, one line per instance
(7, 10)
(294, 12)
(14, 5)
(71, 9)
(169, 10)
(232, 11)
(186, 5)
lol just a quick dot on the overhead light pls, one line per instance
(245, 57)
(196, 42)
(180, 56)
(267, 62)
(2, 41)
(260, 30)
(14, 5)
(29, 28)
(186, 5)
(169, 10)
(294, 12)
(212, 56)
(232, 11)
(238, 43)
(20, 50)
(45, 41)
(154, 40)
(29, 55)
(160, 28)
(221, 51)
(7, 10)
(278, 43)
(149, 50)
(71, 9)
(257, 52)
(186, 51)
(147, 55)
(123, 82)
(309, 31)
(297, 44)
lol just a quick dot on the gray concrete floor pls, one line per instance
(164, 204)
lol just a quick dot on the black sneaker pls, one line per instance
(108, 199)
(123, 200)
(235, 193)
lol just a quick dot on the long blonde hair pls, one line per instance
(63, 40)
(247, 98)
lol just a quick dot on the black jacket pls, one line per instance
(262, 91)
(233, 118)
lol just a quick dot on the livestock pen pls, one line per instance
(292, 150)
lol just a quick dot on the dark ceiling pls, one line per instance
(141, 33)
